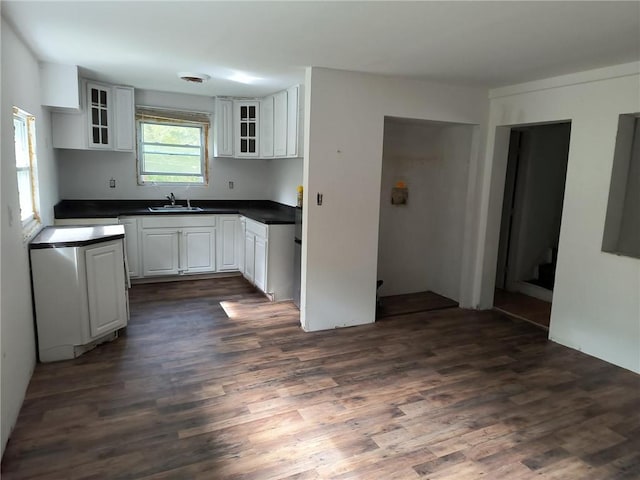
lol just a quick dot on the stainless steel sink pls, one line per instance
(174, 208)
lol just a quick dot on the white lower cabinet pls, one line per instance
(160, 254)
(260, 256)
(131, 244)
(228, 243)
(198, 250)
(178, 245)
(79, 295)
(268, 259)
(249, 256)
(105, 288)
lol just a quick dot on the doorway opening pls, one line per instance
(531, 219)
(425, 177)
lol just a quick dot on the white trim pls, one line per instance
(588, 76)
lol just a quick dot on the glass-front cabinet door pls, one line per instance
(99, 113)
(246, 114)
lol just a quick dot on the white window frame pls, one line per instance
(31, 219)
(149, 115)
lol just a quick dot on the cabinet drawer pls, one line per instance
(257, 228)
(179, 221)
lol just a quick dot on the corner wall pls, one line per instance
(20, 87)
(344, 122)
(596, 301)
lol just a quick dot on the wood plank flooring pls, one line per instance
(213, 382)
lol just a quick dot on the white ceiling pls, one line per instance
(145, 43)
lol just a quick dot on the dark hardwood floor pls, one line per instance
(204, 390)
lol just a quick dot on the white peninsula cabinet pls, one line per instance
(268, 258)
(177, 245)
(79, 288)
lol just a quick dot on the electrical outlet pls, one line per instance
(112, 183)
(230, 185)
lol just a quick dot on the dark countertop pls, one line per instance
(263, 211)
(58, 237)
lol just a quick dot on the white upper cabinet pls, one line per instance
(223, 132)
(246, 128)
(266, 127)
(105, 123)
(124, 113)
(280, 124)
(59, 86)
(99, 115)
(292, 121)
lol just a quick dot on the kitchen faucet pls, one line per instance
(172, 199)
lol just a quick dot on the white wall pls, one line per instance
(86, 174)
(344, 122)
(285, 175)
(420, 244)
(596, 302)
(540, 190)
(20, 87)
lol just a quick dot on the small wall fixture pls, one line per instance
(194, 77)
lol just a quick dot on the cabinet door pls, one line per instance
(246, 129)
(249, 256)
(160, 254)
(131, 245)
(198, 250)
(260, 275)
(266, 127)
(99, 116)
(228, 256)
(223, 141)
(280, 124)
(106, 293)
(292, 121)
(124, 119)
(260, 269)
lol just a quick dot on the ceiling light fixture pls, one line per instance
(194, 77)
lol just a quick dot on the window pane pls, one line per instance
(171, 152)
(171, 134)
(21, 143)
(24, 189)
(25, 148)
(157, 162)
(172, 179)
